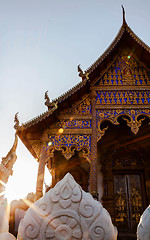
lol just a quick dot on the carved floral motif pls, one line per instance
(74, 124)
(82, 107)
(112, 115)
(127, 71)
(68, 144)
(66, 212)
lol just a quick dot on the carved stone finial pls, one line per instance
(66, 212)
(16, 121)
(124, 19)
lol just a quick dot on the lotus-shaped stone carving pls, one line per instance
(66, 212)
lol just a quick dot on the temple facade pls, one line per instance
(99, 131)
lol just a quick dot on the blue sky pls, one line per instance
(41, 44)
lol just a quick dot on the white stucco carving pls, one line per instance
(7, 236)
(3, 220)
(66, 212)
(4, 235)
(143, 230)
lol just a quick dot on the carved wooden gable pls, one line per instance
(126, 70)
(83, 106)
(130, 78)
(123, 90)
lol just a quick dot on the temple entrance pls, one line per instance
(124, 160)
(128, 201)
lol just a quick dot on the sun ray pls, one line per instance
(8, 210)
(2, 183)
(2, 193)
(34, 207)
(29, 203)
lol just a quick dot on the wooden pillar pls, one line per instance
(41, 171)
(53, 172)
(93, 158)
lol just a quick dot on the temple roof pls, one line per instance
(124, 28)
(125, 38)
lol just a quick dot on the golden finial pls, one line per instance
(81, 74)
(124, 19)
(16, 121)
(47, 102)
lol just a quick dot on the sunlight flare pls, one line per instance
(2, 193)
(2, 183)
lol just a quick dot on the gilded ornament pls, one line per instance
(68, 144)
(80, 108)
(112, 116)
(125, 71)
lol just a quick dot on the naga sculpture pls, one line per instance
(49, 103)
(6, 166)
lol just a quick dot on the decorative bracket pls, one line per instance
(113, 115)
(68, 144)
(134, 124)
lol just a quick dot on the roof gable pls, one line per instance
(125, 37)
(125, 70)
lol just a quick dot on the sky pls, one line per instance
(41, 44)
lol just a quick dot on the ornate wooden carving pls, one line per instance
(93, 167)
(36, 145)
(125, 71)
(74, 123)
(82, 107)
(127, 157)
(112, 116)
(123, 97)
(68, 144)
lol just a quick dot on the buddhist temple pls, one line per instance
(99, 131)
